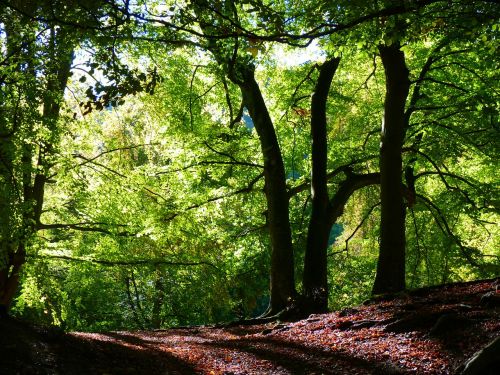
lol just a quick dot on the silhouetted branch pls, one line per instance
(211, 162)
(367, 215)
(88, 160)
(100, 165)
(231, 157)
(343, 168)
(440, 219)
(246, 189)
(134, 262)
(447, 174)
(85, 227)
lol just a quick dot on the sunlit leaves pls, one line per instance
(162, 161)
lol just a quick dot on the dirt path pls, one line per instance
(430, 331)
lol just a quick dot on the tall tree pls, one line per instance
(391, 264)
(241, 71)
(233, 34)
(315, 273)
(57, 55)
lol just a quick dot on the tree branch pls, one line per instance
(445, 228)
(135, 262)
(99, 165)
(440, 173)
(346, 188)
(82, 227)
(358, 227)
(211, 162)
(343, 168)
(91, 159)
(245, 189)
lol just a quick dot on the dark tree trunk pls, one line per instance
(132, 304)
(315, 271)
(325, 211)
(335, 209)
(390, 275)
(282, 285)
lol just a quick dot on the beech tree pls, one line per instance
(395, 197)
(39, 40)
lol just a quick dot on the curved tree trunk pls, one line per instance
(282, 284)
(390, 275)
(242, 73)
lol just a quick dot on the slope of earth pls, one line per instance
(426, 331)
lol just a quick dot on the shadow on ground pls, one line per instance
(27, 350)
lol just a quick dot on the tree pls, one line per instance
(40, 39)
(315, 276)
(241, 72)
(391, 271)
(325, 211)
(391, 264)
(28, 182)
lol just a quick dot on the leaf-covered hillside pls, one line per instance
(426, 331)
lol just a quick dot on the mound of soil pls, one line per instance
(426, 331)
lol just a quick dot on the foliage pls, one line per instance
(153, 207)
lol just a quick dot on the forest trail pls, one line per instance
(426, 331)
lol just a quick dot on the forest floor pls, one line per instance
(426, 331)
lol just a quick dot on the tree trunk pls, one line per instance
(390, 275)
(282, 283)
(315, 262)
(131, 303)
(335, 209)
